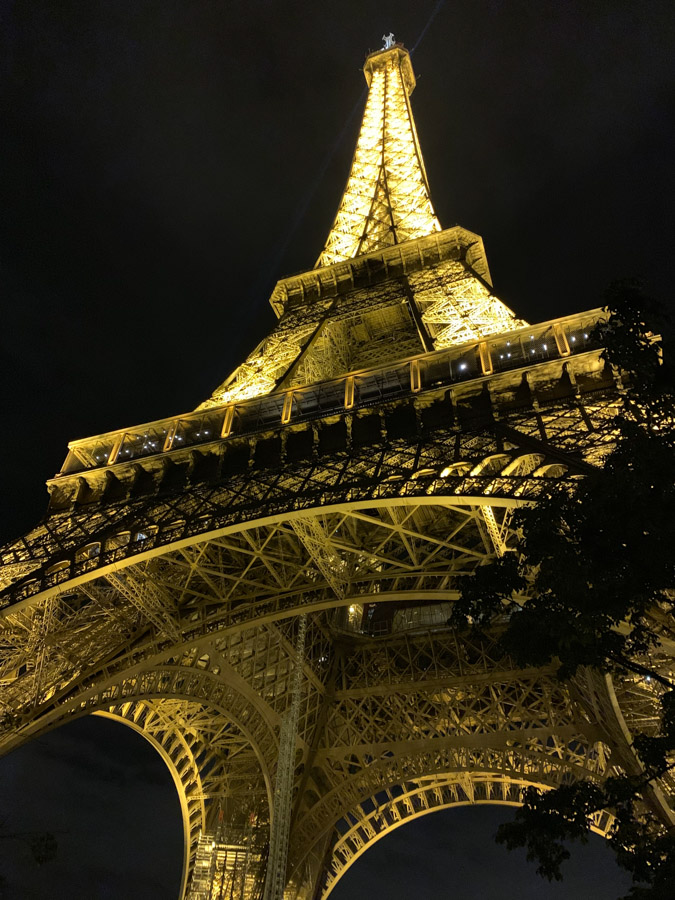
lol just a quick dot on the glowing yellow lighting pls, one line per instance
(386, 200)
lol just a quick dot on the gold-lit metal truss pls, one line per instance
(402, 702)
(290, 553)
(441, 306)
(413, 305)
(457, 306)
(230, 862)
(270, 361)
(209, 758)
(393, 807)
(385, 208)
(386, 200)
(243, 575)
(467, 443)
(387, 699)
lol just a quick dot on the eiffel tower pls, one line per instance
(262, 587)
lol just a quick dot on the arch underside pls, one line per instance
(487, 728)
(187, 640)
(180, 753)
(217, 752)
(399, 805)
(252, 574)
(621, 708)
(379, 524)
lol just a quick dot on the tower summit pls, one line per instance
(386, 200)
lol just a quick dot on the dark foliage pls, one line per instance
(588, 584)
(43, 847)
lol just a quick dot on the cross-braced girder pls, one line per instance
(457, 306)
(398, 805)
(387, 689)
(388, 696)
(211, 762)
(426, 705)
(332, 495)
(386, 200)
(251, 573)
(351, 460)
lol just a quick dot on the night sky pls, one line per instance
(161, 165)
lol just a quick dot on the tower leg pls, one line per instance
(275, 881)
(229, 865)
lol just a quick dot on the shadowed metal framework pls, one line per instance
(261, 587)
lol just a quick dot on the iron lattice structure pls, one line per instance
(261, 587)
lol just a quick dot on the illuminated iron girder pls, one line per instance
(386, 200)
(364, 460)
(425, 303)
(227, 865)
(277, 861)
(457, 306)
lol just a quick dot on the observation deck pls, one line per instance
(476, 362)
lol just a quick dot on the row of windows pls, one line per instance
(447, 367)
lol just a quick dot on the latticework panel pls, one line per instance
(424, 708)
(385, 702)
(262, 588)
(398, 805)
(177, 609)
(351, 459)
(265, 366)
(457, 306)
(386, 200)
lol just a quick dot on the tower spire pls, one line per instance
(386, 200)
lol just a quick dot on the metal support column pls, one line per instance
(275, 881)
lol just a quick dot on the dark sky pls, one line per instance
(163, 162)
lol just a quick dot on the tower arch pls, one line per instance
(179, 759)
(400, 805)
